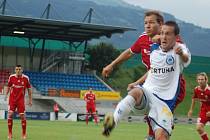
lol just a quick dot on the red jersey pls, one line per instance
(17, 85)
(90, 98)
(203, 96)
(56, 108)
(142, 46)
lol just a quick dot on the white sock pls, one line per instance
(124, 108)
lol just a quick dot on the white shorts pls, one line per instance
(159, 113)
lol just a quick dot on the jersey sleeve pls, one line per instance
(137, 46)
(28, 84)
(186, 52)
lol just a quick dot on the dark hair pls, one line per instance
(160, 19)
(173, 24)
(18, 65)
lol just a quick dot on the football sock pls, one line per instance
(204, 136)
(123, 108)
(86, 118)
(150, 131)
(23, 122)
(10, 123)
(95, 118)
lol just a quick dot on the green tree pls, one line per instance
(101, 55)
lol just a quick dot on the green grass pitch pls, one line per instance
(60, 130)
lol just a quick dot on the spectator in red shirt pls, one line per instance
(201, 94)
(90, 105)
(56, 110)
(17, 84)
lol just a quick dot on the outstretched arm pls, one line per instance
(138, 82)
(121, 58)
(191, 108)
(30, 96)
(7, 92)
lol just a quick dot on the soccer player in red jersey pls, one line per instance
(202, 94)
(90, 105)
(17, 85)
(153, 22)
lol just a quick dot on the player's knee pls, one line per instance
(199, 129)
(161, 135)
(10, 114)
(137, 94)
(22, 116)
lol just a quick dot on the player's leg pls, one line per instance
(21, 111)
(161, 116)
(182, 93)
(23, 123)
(151, 135)
(94, 114)
(11, 110)
(127, 104)
(124, 107)
(10, 123)
(201, 132)
(56, 115)
(161, 134)
(87, 114)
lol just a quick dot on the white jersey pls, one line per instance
(166, 67)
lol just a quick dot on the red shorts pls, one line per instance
(90, 108)
(202, 117)
(182, 93)
(19, 105)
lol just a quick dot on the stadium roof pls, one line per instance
(55, 29)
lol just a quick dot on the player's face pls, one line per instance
(201, 81)
(18, 71)
(167, 37)
(151, 26)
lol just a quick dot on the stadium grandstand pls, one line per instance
(52, 53)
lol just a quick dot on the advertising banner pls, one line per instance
(82, 117)
(103, 95)
(32, 115)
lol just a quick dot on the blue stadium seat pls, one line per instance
(43, 81)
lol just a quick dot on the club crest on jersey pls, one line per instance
(170, 60)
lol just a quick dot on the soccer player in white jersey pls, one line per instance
(159, 93)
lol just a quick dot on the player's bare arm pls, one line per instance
(121, 58)
(208, 114)
(138, 82)
(30, 96)
(6, 94)
(191, 108)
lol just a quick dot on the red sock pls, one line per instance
(204, 136)
(87, 118)
(10, 123)
(150, 131)
(95, 118)
(23, 127)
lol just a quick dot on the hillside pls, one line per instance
(112, 12)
